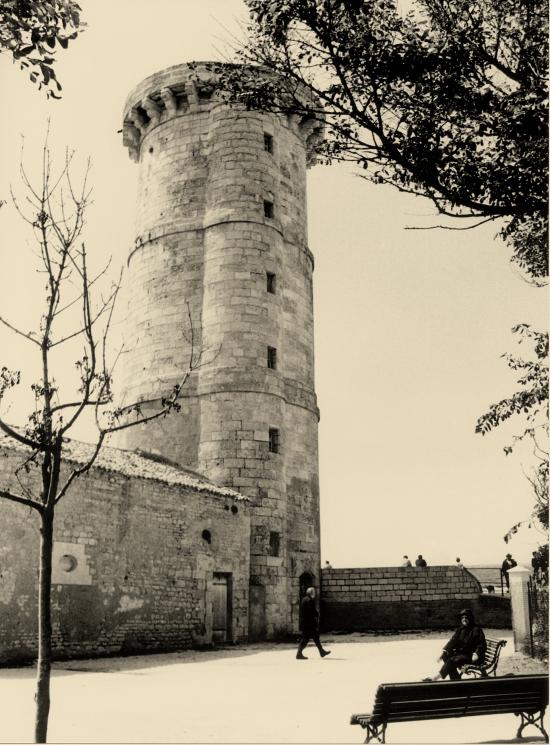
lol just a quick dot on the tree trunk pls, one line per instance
(42, 695)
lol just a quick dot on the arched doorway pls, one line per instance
(306, 580)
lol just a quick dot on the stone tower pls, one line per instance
(221, 230)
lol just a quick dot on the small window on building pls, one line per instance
(272, 358)
(68, 563)
(274, 543)
(273, 440)
(207, 536)
(271, 282)
(268, 208)
(268, 143)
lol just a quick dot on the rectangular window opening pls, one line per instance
(273, 440)
(272, 358)
(271, 282)
(268, 143)
(274, 543)
(268, 208)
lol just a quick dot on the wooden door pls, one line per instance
(219, 608)
(256, 613)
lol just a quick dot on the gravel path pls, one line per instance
(256, 693)
(519, 664)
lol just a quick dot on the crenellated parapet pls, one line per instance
(188, 89)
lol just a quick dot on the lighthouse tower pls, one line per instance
(221, 235)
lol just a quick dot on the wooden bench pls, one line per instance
(490, 663)
(523, 695)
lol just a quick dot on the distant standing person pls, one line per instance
(421, 562)
(328, 565)
(537, 566)
(406, 561)
(507, 564)
(459, 564)
(309, 625)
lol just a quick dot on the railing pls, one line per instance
(537, 596)
(489, 576)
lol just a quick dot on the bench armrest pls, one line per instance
(360, 718)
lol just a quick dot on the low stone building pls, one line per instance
(147, 556)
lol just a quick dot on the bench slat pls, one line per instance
(444, 713)
(406, 706)
(519, 697)
(477, 711)
(422, 703)
(454, 713)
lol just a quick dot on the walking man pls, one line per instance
(309, 625)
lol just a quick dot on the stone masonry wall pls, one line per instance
(405, 598)
(144, 573)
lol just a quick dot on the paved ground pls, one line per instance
(252, 694)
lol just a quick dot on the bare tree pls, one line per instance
(74, 312)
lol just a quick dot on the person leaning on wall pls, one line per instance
(507, 564)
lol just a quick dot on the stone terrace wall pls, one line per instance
(405, 598)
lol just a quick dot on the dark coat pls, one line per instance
(508, 564)
(466, 640)
(309, 617)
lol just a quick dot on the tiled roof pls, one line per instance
(133, 464)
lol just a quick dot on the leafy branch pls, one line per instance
(32, 31)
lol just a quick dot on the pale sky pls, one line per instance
(410, 324)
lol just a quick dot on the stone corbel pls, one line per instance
(293, 121)
(131, 137)
(313, 140)
(308, 125)
(169, 99)
(138, 120)
(152, 108)
(192, 94)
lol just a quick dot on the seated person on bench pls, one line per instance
(467, 645)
